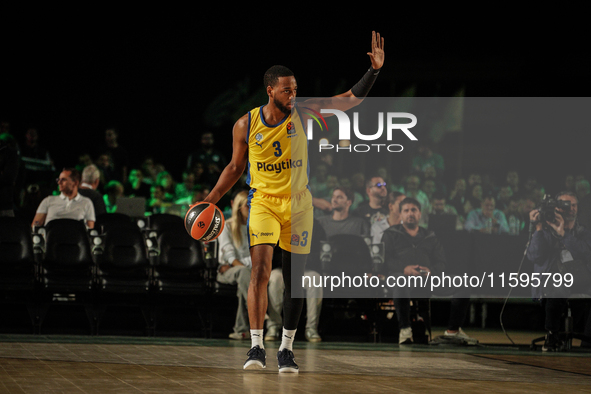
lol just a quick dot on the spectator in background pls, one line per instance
(429, 187)
(487, 219)
(512, 179)
(458, 196)
(582, 188)
(383, 173)
(393, 217)
(32, 148)
(430, 174)
(321, 203)
(569, 183)
(357, 197)
(412, 188)
(185, 189)
(158, 201)
(513, 210)
(113, 190)
(318, 182)
(200, 176)
(427, 158)
(474, 179)
(149, 171)
(529, 185)
(473, 199)
(376, 190)
(537, 193)
(488, 186)
(327, 159)
(135, 185)
(33, 195)
(118, 154)
(439, 206)
(106, 167)
(36, 159)
(341, 221)
(91, 177)
(235, 262)
(68, 205)
(9, 166)
(526, 205)
(84, 159)
(358, 183)
(212, 159)
(503, 196)
(164, 179)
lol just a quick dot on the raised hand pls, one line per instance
(377, 51)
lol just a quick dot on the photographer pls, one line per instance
(559, 244)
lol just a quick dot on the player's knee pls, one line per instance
(260, 276)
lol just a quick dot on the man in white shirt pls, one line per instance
(68, 205)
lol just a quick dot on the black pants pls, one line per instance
(459, 306)
(293, 266)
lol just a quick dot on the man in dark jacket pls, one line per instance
(412, 251)
(554, 246)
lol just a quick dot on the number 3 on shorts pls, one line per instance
(304, 240)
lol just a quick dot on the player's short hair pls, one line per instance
(410, 200)
(273, 74)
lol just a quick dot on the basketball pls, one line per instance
(204, 221)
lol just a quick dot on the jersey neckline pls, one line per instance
(265, 122)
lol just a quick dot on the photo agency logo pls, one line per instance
(387, 126)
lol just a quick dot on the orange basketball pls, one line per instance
(204, 221)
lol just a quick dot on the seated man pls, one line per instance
(487, 219)
(411, 250)
(556, 244)
(440, 207)
(341, 221)
(68, 205)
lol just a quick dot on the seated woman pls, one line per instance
(235, 262)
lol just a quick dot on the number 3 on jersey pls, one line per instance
(277, 146)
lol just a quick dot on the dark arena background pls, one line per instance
(161, 79)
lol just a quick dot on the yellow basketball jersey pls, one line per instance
(277, 155)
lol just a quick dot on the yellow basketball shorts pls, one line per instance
(284, 220)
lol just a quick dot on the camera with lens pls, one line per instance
(548, 208)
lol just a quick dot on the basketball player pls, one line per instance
(271, 140)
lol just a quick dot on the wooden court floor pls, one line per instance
(82, 364)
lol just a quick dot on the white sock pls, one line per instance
(256, 338)
(287, 339)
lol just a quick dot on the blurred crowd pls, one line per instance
(507, 202)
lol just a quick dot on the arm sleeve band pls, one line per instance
(362, 88)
